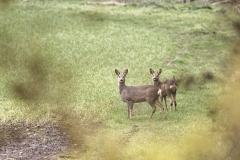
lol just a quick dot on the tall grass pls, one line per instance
(58, 60)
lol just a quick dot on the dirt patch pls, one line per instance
(107, 3)
(22, 141)
(125, 139)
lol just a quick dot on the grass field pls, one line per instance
(58, 60)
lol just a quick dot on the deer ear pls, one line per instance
(125, 72)
(151, 71)
(159, 71)
(117, 72)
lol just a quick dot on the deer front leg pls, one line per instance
(165, 102)
(161, 97)
(130, 107)
(161, 107)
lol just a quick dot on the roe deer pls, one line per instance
(168, 88)
(136, 94)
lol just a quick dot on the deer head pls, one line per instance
(121, 76)
(155, 75)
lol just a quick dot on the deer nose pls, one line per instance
(120, 80)
(154, 79)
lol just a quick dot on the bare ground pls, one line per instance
(22, 141)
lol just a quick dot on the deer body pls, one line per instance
(137, 94)
(168, 88)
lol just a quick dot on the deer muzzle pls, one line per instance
(121, 80)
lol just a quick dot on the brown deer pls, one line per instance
(168, 88)
(136, 94)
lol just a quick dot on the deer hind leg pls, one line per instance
(161, 107)
(130, 107)
(171, 100)
(175, 101)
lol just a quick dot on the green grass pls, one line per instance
(58, 60)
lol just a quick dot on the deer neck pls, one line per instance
(121, 86)
(157, 83)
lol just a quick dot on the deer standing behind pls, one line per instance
(136, 94)
(168, 88)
